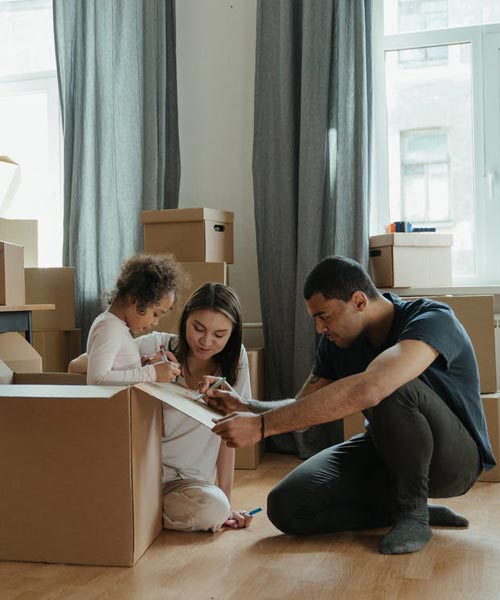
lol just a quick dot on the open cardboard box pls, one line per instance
(81, 469)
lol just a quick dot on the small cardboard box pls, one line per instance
(54, 285)
(199, 274)
(23, 232)
(354, 424)
(57, 348)
(82, 473)
(250, 457)
(18, 354)
(476, 315)
(192, 234)
(411, 259)
(12, 289)
(491, 406)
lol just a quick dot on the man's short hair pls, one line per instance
(338, 277)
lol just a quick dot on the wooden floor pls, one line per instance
(260, 563)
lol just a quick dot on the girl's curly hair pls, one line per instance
(146, 278)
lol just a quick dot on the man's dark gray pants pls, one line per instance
(417, 448)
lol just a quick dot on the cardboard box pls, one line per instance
(411, 259)
(476, 315)
(491, 406)
(50, 379)
(23, 232)
(18, 354)
(57, 348)
(250, 457)
(84, 473)
(12, 289)
(6, 373)
(192, 234)
(52, 286)
(354, 424)
(199, 274)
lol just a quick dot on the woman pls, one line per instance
(209, 343)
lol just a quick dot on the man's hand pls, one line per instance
(239, 429)
(224, 399)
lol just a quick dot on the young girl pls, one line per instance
(145, 291)
(209, 343)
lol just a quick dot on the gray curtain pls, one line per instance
(117, 84)
(310, 172)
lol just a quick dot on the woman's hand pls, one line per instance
(239, 519)
(224, 399)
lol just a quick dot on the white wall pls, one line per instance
(215, 76)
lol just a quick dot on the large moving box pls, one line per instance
(411, 259)
(81, 473)
(23, 232)
(18, 354)
(476, 315)
(250, 457)
(192, 234)
(57, 348)
(54, 285)
(12, 289)
(199, 273)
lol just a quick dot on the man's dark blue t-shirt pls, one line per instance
(453, 375)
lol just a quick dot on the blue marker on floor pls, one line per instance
(254, 511)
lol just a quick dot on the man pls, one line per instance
(411, 369)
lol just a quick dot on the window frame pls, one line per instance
(484, 41)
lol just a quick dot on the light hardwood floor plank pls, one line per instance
(261, 563)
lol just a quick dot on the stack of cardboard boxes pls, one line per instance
(55, 336)
(202, 240)
(16, 353)
(411, 260)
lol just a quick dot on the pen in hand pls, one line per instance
(214, 386)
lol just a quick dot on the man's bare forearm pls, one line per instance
(258, 406)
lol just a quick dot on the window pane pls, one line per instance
(401, 16)
(26, 32)
(429, 116)
(27, 138)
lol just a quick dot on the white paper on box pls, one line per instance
(182, 399)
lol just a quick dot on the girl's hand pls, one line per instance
(239, 519)
(167, 372)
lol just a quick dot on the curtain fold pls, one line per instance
(117, 84)
(311, 173)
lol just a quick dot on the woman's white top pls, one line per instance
(189, 449)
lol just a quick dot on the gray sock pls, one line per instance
(410, 533)
(445, 517)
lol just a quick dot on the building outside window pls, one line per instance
(437, 129)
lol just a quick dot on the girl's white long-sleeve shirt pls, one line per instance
(113, 354)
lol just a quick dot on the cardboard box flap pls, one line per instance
(69, 392)
(428, 239)
(186, 215)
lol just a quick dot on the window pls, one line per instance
(30, 122)
(437, 126)
(425, 177)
